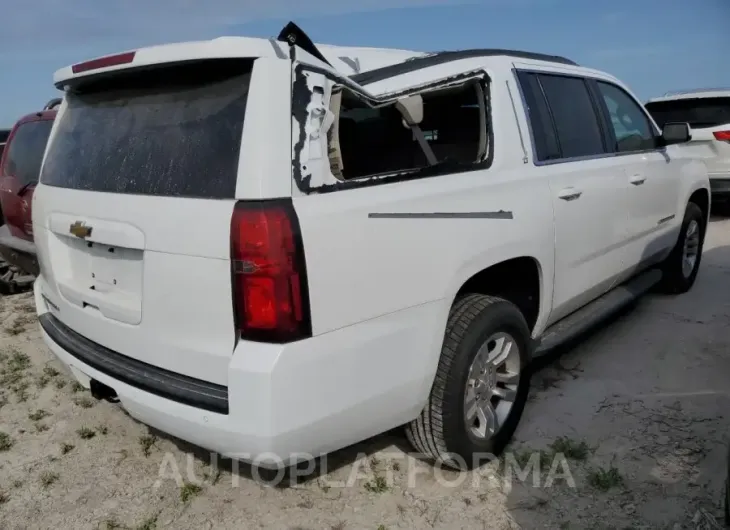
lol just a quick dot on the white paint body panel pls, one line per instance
(380, 288)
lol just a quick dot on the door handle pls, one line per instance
(569, 194)
(637, 180)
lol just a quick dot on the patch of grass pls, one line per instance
(382, 527)
(571, 449)
(38, 415)
(85, 402)
(3, 400)
(66, 448)
(6, 442)
(523, 457)
(85, 433)
(17, 483)
(148, 524)
(50, 371)
(16, 328)
(306, 503)
(18, 361)
(103, 430)
(112, 524)
(13, 375)
(188, 491)
(605, 479)
(40, 427)
(340, 525)
(147, 442)
(48, 478)
(60, 383)
(42, 381)
(77, 387)
(21, 391)
(377, 485)
(4, 497)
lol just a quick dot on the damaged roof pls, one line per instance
(434, 59)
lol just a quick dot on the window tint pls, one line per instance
(452, 126)
(631, 127)
(574, 115)
(698, 112)
(171, 131)
(25, 151)
(543, 132)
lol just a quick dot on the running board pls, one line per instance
(600, 309)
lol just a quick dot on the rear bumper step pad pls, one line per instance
(163, 383)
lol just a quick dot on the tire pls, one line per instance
(677, 280)
(476, 324)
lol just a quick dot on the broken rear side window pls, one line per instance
(369, 141)
(169, 131)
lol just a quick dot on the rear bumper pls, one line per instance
(287, 402)
(18, 252)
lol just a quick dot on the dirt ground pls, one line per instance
(630, 428)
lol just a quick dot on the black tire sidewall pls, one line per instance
(501, 316)
(675, 281)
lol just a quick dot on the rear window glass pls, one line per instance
(170, 131)
(698, 112)
(25, 151)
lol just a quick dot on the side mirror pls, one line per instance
(676, 133)
(411, 108)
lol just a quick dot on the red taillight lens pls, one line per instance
(722, 135)
(104, 62)
(269, 274)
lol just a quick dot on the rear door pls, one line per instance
(132, 217)
(19, 173)
(589, 188)
(653, 178)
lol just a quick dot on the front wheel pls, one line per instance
(681, 267)
(481, 384)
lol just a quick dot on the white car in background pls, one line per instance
(708, 113)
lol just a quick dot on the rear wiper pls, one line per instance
(24, 187)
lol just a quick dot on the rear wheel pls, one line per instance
(681, 267)
(481, 384)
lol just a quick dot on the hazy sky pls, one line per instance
(653, 45)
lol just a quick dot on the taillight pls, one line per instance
(270, 291)
(104, 62)
(723, 136)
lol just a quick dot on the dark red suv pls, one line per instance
(19, 168)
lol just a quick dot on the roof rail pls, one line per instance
(696, 91)
(55, 102)
(433, 59)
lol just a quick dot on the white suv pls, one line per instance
(273, 259)
(708, 113)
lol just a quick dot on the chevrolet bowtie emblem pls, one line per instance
(79, 229)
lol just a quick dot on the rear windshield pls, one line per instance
(170, 131)
(698, 112)
(25, 151)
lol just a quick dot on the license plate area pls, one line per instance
(99, 278)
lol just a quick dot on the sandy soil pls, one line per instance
(630, 427)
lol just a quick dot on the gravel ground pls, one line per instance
(627, 429)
